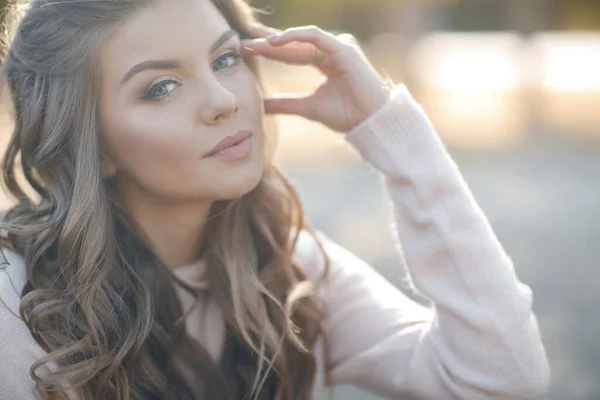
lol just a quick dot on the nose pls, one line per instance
(218, 104)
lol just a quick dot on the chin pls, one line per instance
(238, 184)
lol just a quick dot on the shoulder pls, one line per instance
(341, 276)
(311, 253)
(315, 252)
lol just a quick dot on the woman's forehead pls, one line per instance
(166, 29)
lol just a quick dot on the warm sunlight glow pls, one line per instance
(569, 62)
(468, 62)
(470, 86)
(569, 81)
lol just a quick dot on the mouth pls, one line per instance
(229, 144)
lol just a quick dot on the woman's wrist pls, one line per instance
(400, 124)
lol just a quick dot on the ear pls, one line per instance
(108, 168)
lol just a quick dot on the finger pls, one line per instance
(290, 104)
(292, 53)
(323, 40)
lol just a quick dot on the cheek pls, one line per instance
(251, 103)
(248, 92)
(151, 148)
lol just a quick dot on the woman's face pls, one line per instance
(173, 86)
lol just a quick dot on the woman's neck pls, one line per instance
(174, 229)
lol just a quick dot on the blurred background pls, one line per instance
(513, 88)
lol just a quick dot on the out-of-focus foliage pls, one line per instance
(3, 4)
(366, 18)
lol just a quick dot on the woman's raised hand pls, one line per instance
(353, 89)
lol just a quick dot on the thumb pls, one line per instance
(290, 104)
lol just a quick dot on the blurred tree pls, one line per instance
(529, 16)
(471, 15)
(363, 18)
(577, 14)
(525, 16)
(3, 8)
(3, 4)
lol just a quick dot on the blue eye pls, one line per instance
(222, 62)
(161, 89)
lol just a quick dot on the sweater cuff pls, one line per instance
(396, 126)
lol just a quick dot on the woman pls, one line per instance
(161, 255)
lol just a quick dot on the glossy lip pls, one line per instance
(228, 141)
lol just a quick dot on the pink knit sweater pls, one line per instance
(478, 340)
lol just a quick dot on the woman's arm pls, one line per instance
(479, 340)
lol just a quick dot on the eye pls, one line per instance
(227, 60)
(161, 89)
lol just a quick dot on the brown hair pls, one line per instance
(92, 278)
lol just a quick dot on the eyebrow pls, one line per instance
(171, 64)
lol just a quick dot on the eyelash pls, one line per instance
(235, 54)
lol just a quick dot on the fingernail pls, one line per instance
(272, 37)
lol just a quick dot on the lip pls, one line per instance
(228, 141)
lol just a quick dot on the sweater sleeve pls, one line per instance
(18, 349)
(479, 339)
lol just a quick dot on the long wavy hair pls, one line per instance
(97, 298)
